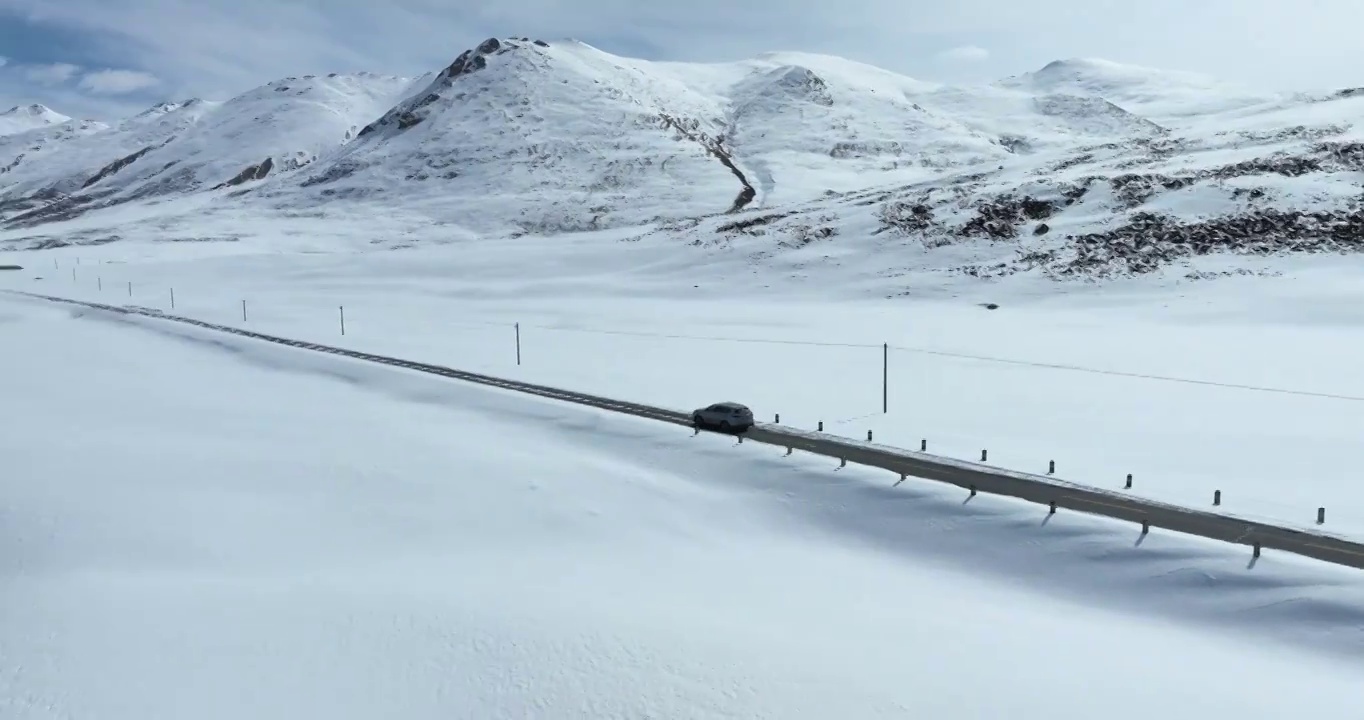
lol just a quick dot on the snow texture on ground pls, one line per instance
(1245, 385)
(248, 530)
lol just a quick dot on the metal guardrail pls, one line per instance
(974, 477)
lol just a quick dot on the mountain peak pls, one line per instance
(160, 108)
(413, 110)
(1079, 63)
(22, 118)
(1071, 69)
(34, 110)
(474, 59)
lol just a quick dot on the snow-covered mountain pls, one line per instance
(1081, 167)
(191, 146)
(20, 119)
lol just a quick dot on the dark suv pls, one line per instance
(726, 416)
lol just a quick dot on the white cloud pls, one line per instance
(965, 54)
(117, 82)
(50, 74)
(3, 61)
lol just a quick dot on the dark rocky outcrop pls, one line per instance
(117, 165)
(339, 170)
(714, 146)
(1134, 189)
(252, 172)
(751, 225)
(13, 164)
(999, 220)
(1147, 241)
(63, 207)
(907, 217)
(409, 115)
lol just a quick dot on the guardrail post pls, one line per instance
(1321, 516)
(983, 454)
(973, 491)
(243, 311)
(1216, 497)
(923, 445)
(821, 426)
(73, 274)
(1255, 549)
(776, 419)
(868, 436)
(130, 288)
(518, 344)
(342, 308)
(1051, 508)
(1145, 527)
(789, 451)
(843, 462)
(902, 479)
(172, 291)
(99, 284)
(741, 440)
(1051, 467)
(1129, 481)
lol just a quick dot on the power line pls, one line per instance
(1119, 373)
(669, 336)
(960, 356)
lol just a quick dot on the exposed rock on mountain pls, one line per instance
(1083, 168)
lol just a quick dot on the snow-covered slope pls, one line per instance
(1083, 167)
(556, 138)
(29, 117)
(198, 145)
(62, 160)
(276, 128)
(1161, 95)
(565, 136)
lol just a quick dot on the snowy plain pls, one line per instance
(251, 531)
(1273, 418)
(257, 531)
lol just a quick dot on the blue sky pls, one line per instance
(109, 58)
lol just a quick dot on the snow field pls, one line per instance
(252, 530)
(959, 375)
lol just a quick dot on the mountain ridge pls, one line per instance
(519, 136)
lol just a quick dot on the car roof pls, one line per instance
(730, 406)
